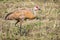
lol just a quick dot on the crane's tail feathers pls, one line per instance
(7, 15)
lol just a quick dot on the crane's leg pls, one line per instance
(21, 21)
(22, 30)
(17, 22)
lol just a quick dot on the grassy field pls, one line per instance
(47, 27)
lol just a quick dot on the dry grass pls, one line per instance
(46, 28)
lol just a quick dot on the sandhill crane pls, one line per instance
(22, 14)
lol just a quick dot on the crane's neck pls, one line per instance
(34, 11)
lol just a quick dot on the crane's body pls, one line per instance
(25, 14)
(22, 14)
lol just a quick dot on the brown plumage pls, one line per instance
(20, 14)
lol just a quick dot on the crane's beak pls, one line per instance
(39, 9)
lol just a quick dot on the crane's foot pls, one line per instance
(23, 32)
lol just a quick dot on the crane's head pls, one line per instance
(36, 8)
